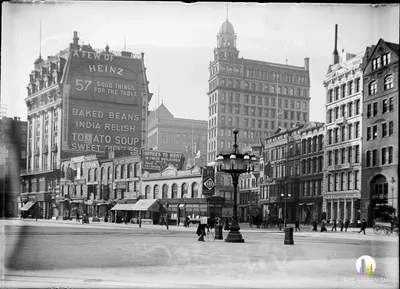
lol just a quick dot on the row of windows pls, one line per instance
(344, 111)
(344, 90)
(380, 61)
(312, 166)
(311, 188)
(387, 129)
(349, 132)
(261, 74)
(386, 157)
(344, 155)
(387, 84)
(387, 106)
(154, 193)
(344, 181)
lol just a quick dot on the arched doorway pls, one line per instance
(381, 210)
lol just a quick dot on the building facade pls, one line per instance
(81, 101)
(343, 139)
(250, 94)
(311, 172)
(13, 154)
(379, 197)
(169, 134)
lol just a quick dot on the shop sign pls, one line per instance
(158, 161)
(121, 185)
(92, 164)
(127, 160)
(131, 195)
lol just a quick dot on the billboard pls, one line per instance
(158, 161)
(103, 106)
(208, 180)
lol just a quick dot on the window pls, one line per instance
(357, 103)
(358, 85)
(390, 157)
(343, 155)
(388, 82)
(386, 59)
(391, 104)
(350, 131)
(384, 129)
(356, 180)
(375, 109)
(391, 128)
(349, 181)
(336, 155)
(369, 133)
(350, 87)
(343, 90)
(357, 130)
(357, 160)
(376, 63)
(383, 156)
(336, 93)
(342, 181)
(165, 191)
(343, 130)
(368, 159)
(384, 106)
(349, 154)
(350, 108)
(374, 132)
(374, 157)
(373, 88)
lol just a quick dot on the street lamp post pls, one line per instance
(285, 196)
(166, 214)
(235, 164)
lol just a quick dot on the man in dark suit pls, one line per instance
(363, 226)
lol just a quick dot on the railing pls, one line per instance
(43, 169)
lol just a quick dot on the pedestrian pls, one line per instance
(323, 228)
(297, 224)
(226, 228)
(341, 225)
(126, 219)
(363, 226)
(186, 222)
(77, 216)
(305, 219)
(315, 226)
(280, 223)
(334, 225)
(346, 224)
(201, 230)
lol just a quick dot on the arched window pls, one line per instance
(89, 177)
(195, 190)
(291, 91)
(102, 174)
(272, 88)
(298, 92)
(373, 88)
(122, 171)
(246, 85)
(388, 82)
(174, 191)
(260, 87)
(229, 41)
(184, 190)
(156, 191)
(223, 82)
(237, 84)
(285, 90)
(109, 173)
(253, 86)
(147, 193)
(279, 90)
(165, 191)
(95, 174)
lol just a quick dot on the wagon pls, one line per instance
(385, 227)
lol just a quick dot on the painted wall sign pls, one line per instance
(158, 161)
(104, 104)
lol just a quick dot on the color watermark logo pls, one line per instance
(365, 265)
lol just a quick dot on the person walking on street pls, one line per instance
(334, 225)
(297, 224)
(346, 224)
(77, 216)
(363, 226)
(226, 224)
(341, 224)
(201, 231)
(315, 229)
(126, 219)
(323, 228)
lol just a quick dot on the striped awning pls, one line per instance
(27, 206)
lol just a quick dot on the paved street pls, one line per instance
(47, 253)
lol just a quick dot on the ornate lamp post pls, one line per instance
(285, 196)
(235, 164)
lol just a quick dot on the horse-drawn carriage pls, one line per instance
(387, 228)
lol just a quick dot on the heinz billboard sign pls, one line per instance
(103, 103)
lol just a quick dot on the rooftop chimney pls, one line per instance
(76, 38)
(335, 53)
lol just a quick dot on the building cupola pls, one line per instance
(226, 42)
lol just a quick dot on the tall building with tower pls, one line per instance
(343, 140)
(81, 101)
(253, 95)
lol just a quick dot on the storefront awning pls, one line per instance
(301, 204)
(123, 207)
(147, 205)
(310, 204)
(27, 206)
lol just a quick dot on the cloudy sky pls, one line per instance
(178, 41)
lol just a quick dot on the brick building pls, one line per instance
(379, 197)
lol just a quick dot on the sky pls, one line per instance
(178, 41)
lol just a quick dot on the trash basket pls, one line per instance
(288, 236)
(218, 232)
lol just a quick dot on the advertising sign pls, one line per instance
(104, 105)
(158, 161)
(208, 180)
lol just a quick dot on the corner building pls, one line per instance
(379, 197)
(80, 101)
(342, 174)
